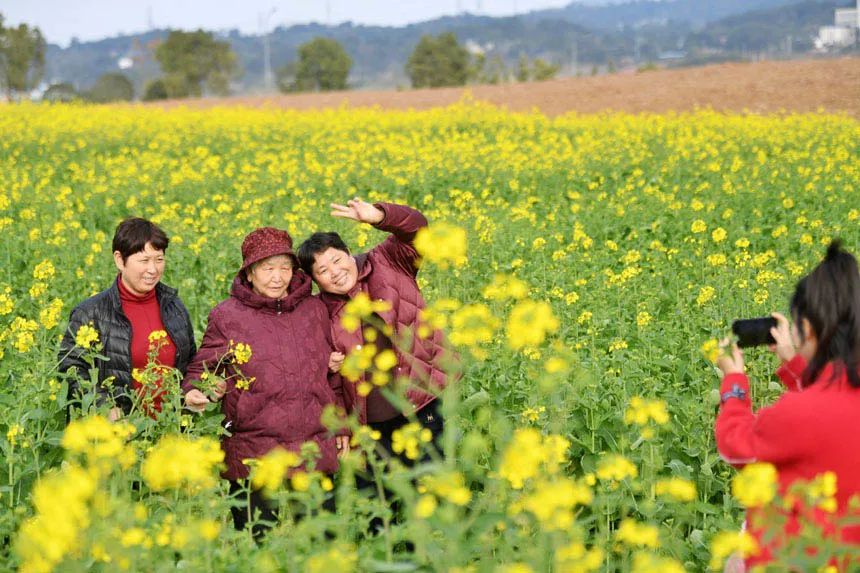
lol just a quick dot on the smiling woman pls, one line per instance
(274, 392)
(126, 316)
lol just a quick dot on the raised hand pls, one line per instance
(358, 210)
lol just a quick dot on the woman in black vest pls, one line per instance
(124, 315)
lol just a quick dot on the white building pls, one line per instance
(847, 17)
(844, 31)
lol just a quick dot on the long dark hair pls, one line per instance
(829, 298)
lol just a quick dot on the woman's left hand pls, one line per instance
(335, 361)
(358, 210)
(342, 443)
(733, 362)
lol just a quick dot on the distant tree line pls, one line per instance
(196, 63)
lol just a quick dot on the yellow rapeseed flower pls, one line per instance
(755, 484)
(342, 559)
(636, 534)
(529, 323)
(87, 336)
(678, 488)
(177, 462)
(269, 471)
(472, 325)
(442, 244)
(408, 439)
(505, 286)
(615, 467)
(726, 543)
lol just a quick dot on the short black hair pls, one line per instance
(134, 233)
(316, 244)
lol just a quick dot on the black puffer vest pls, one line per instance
(104, 311)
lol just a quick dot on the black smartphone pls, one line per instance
(754, 331)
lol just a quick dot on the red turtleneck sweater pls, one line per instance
(145, 316)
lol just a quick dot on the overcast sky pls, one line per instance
(61, 20)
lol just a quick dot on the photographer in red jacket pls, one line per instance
(815, 426)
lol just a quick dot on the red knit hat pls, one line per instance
(266, 242)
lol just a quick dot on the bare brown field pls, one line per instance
(763, 87)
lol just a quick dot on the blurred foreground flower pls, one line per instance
(176, 462)
(442, 244)
(268, 472)
(727, 543)
(529, 453)
(529, 323)
(755, 484)
(61, 501)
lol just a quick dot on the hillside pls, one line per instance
(577, 37)
(763, 87)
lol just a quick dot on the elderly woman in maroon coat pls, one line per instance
(271, 310)
(387, 272)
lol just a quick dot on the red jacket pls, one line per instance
(806, 432)
(388, 272)
(290, 342)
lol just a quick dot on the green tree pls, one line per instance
(61, 92)
(22, 58)
(323, 66)
(155, 90)
(495, 71)
(192, 60)
(111, 87)
(477, 67)
(542, 70)
(285, 77)
(522, 72)
(438, 61)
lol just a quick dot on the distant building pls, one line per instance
(844, 32)
(847, 17)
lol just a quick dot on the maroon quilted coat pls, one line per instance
(290, 342)
(388, 272)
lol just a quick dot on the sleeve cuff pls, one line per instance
(734, 386)
(791, 373)
(381, 207)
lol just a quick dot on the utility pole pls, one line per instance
(267, 50)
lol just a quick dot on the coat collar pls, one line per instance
(163, 293)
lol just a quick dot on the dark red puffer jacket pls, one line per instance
(290, 342)
(388, 272)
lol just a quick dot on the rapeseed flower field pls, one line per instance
(581, 265)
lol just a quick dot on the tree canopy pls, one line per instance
(22, 58)
(111, 87)
(194, 60)
(323, 65)
(438, 61)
